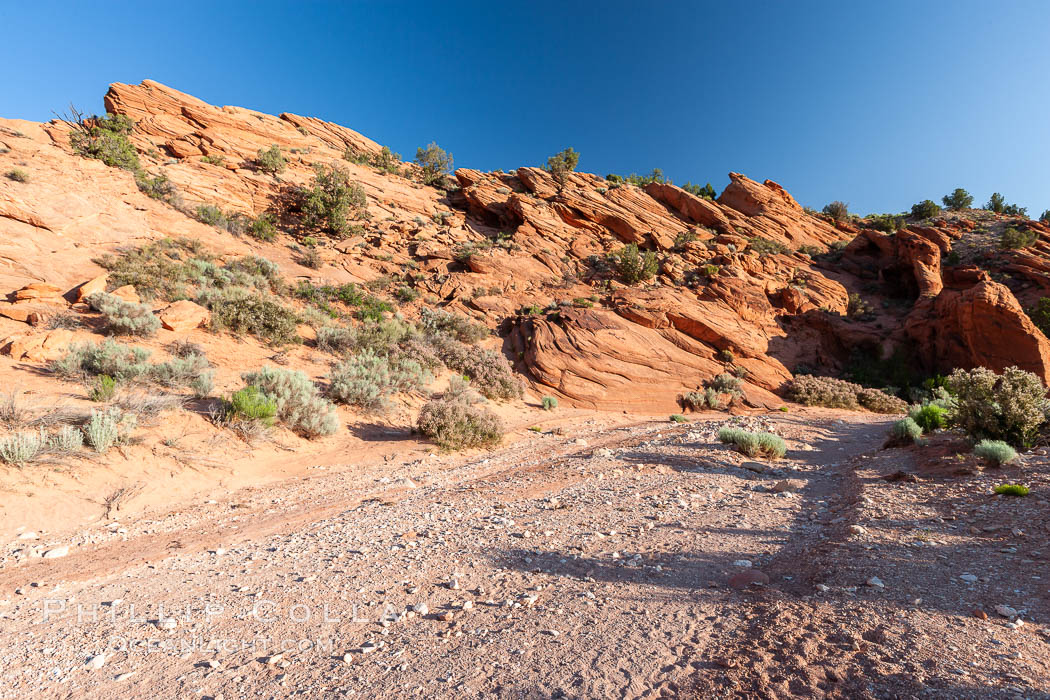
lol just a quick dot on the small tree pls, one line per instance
(633, 265)
(435, 162)
(958, 199)
(1045, 216)
(330, 201)
(561, 164)
(271, 160)
(837, 210)
(925, 209)
(705, 192)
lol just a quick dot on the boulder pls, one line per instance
(127, 293)
(37, 347)
(183, 315)
(97, 284)
(38, 291)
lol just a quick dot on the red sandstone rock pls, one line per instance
(183, 315)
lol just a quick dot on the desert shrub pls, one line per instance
(368, 380)
(928, 416)
(634, 266)
(22, 448)
(250, 404)
(995, 452)
(878, 401)
(561, 164)
(925, 209)
(106, 139)
(488, 370)
(368, 306)
(211, 215)
(656, 175)
(549, 403)
(725, 384)
(124, 317)
(434, 162)
(103, 389)
(437, 321)
(203, 384)
(331, 201)
(455, 421)
(299, 404)
(121, 362)
(837, 210)
(180, 371)
(216, 159)
(262, 228)
(17, 174)
(1008, 407)
(1011, 490)
(157, 187)
(1013, 238)
(764, 246)
(678, 418)
(66, 440)
(695, 400)
(811, 390)
(243, 312)
(726, 355)
(887, 223)
(753, 445)
(1045, 216)
(712, 397)
(336, 340)
(107, 428)
(271, 160)
(381, 337)
(856, 307)
(906, 430)
(958, 199)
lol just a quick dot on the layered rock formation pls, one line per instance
(748, 282)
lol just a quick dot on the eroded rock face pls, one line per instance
(735, 286)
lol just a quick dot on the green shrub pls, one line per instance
(929, 416)
(906, 430)
(216, 159)
(211, 215)
(331, 201)
(1045, 216)
(633, 265)
(1040, 315)
(561, 164)
(694, 400)
(837, 210)
(1013, 238)
(926, 209)
(17, 174)
(434, 162)
(123, 317)
(725, 384)
(1011, 490)
(753, 445)
(995, 452)
(726, 355)
(262, 228)
(299, 404)
(121, 362)
(106, 139)
(1009, 407)
(104, 389)
(368, 380)
(549, 403)
(22, 448)
(271, 160)
(436, 322)
(336, 340)
(157, 187)
(203, 384)
(958, 199)
(678, 418)
(250, 404)
(242, 312)
(455, 422)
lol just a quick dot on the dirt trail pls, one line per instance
(595, 563)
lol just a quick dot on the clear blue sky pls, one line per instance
(879, 104)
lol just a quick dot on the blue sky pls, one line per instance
(879, 104)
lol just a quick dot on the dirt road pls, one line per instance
(597, 563)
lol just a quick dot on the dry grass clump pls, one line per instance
(456, 420)
(811, 390)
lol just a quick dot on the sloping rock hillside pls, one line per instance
(749, 282)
